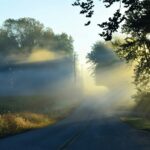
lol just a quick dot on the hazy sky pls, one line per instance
(61, 16)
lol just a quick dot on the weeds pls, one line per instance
(19, 122)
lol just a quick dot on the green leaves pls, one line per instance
(102, 56)
(22, 35)
(135, 23)
(86, 9)
(111, 26)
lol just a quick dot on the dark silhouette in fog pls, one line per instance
(35, 78)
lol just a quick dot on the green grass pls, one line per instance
(141, 110)
(137, 122)
(35, 104)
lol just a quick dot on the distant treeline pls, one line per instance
(22, 35)
(102, 55)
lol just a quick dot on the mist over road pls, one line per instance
(90, 127)
(94, 125)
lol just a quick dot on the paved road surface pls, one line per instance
(90, 127)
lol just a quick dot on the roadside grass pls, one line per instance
(139, 116)
(13, 123)
(23, 113)
(137, 122)
(35, 103)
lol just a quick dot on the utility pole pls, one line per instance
(74, 67)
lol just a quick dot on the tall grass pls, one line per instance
(13, 123)
(22, 113)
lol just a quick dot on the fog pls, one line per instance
(112, 89)
(36, 55)
(45, 73)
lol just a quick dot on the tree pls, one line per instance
(25, 31)
(102, 56)
(63, 43)
(135, 24)
(7, 42)
(22, 35)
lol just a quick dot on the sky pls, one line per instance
(60, 16)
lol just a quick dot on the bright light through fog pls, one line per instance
(148, 36)
(79, 70)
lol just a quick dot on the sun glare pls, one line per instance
(39, 55)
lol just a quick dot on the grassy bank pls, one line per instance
(137, 122)
(22, 113)
(13, 123)
(139, 117)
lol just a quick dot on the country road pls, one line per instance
(89, 127)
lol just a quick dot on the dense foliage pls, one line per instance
(25, 34)
(102, 56)
(135, 23)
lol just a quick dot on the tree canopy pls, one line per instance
(25, 34)
(135, 24)
(102, 56)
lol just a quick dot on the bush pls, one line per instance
(143, 104)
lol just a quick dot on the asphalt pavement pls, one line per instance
(92, 126)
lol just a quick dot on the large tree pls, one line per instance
(25, 34)
(102, 56)
(135, 23)
(25, 31)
